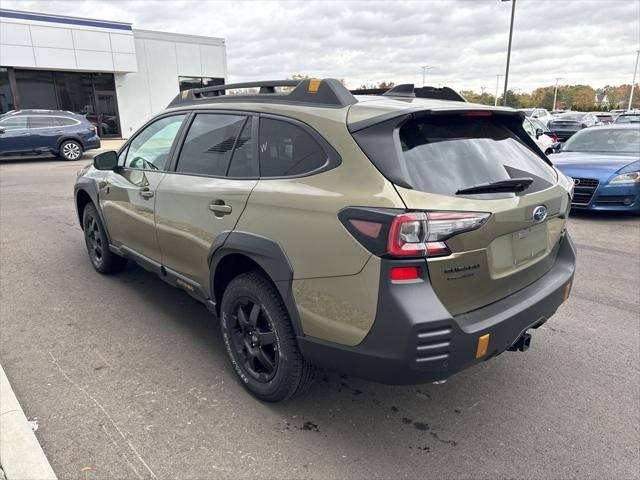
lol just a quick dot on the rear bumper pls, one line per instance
(91, 143)
(415, 340)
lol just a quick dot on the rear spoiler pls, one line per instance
(408, 90)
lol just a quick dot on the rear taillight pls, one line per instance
(553, 137)
(93, 129)
(388, 233)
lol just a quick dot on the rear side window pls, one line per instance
(445, 154)
(288, 150)
(209, 146)
(65, 122)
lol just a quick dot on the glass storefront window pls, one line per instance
(75, 92)
(187, 83)
(36, 89)
(6, 98)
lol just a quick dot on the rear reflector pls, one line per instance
(405, 273)
(370, 229)
(483, 346)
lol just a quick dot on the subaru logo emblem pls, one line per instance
(576, 181)
(540, 213)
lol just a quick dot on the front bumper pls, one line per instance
(415, 340)
(613, 198)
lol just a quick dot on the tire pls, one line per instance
(70, 150)
(102, 259)
(256, 339)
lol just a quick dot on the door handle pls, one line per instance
(145, 192)
(219, 208)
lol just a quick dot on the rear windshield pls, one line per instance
(446, 154)
(571, 116)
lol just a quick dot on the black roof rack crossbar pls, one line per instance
(407, 90)
(322, 93)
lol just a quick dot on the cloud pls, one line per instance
(584, 41)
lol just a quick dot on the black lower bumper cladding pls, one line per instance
(414, 339)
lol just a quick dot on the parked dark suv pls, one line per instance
(61, 133)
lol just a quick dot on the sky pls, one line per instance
(465, 41)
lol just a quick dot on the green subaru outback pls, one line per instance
(397, 237)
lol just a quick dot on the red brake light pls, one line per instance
(408, 234)
(405, 273)
(477, 113)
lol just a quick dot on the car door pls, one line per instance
(44, 132)
(205, 194)
(127, 194)
(14, 135)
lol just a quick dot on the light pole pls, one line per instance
(424, 72)
(633, 84)
(506, 73)
(495, 103)
(555, 94)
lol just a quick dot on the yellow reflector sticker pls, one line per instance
(483, 346)
(314, 85)
(567, 291)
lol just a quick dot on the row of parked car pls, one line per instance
(564, 123)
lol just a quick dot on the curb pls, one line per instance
(21, 455)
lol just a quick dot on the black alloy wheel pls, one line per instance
(254, 339)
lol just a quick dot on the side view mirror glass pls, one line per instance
(106, 160)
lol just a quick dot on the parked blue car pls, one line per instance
(34, 132)
(604, 163)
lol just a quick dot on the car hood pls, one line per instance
(582, 164)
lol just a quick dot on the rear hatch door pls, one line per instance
(440, 156)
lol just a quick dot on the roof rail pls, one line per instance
(407, 90)
(328, 92)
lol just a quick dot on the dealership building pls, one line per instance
(116, 75)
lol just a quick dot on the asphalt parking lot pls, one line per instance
(128, 378)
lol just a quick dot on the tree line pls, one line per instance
(570, 97)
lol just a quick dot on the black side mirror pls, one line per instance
(539, 132)
(106, 160)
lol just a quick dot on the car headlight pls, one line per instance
(631, 177)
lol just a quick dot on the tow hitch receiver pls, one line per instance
(522, 344)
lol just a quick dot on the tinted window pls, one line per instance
(6, 97)
(244, 162)
(287, 150)
(65, 122)
(209, 144)
(446, 154)
(14, 123)
(150, 149)
(41, 122)
(36, 89)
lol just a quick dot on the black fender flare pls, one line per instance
(90, 188)
(268, 254)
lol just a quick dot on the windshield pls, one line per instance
(571, 116)
(628, 119)
(610, 140)
(445, 154)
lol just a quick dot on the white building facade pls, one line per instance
(114, 74)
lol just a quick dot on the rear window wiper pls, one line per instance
(510, 185)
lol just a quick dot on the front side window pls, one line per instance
(288, 150)
(149, 150)
(209, 145)
(529, 128)
(449, 153)
(14, 123)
